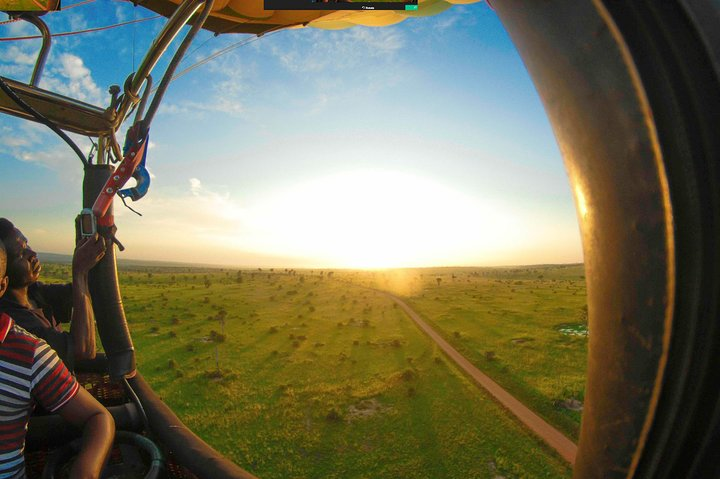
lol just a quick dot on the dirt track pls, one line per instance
(554, 438)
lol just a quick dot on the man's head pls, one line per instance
(23, 265)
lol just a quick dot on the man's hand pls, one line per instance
(98, 426)
(88, 252)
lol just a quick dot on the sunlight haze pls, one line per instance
(420, 144)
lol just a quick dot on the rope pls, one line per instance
(225, 50)
(76, 5)
(89, 30)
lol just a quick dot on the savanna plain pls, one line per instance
(319, 374)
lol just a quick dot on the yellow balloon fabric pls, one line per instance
(249, 16)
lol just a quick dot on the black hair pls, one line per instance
(6, 229)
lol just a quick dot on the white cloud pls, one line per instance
(195, 186)
(15, 55)
(21, 29)
(31, 142)
(314, 51)
(70, 77)
(121, 12)
(224, 92)
(201, 222)
(77, 22)
(18, 60)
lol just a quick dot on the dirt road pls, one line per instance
(554, 438)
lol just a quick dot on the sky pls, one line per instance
(420, 144)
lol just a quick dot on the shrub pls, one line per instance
(172, 364)
(217, 337)
(273, 330)
(333, 416)
(456, 334)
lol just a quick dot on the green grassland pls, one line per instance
(303, 375)
(508, 322)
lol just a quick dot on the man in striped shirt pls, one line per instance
(30, 373)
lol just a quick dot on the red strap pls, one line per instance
(6, 323)
(116, 181)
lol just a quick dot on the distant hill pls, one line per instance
(129, 263)
(125, 263)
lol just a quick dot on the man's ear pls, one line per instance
(3, 285)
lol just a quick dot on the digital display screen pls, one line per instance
(340, 5)
(87, 224)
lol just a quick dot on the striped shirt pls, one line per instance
(30, 373)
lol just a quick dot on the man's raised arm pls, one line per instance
(82, 326)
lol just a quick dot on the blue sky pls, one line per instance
(418, 144)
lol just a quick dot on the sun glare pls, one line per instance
(380, 219)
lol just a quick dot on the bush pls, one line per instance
(217, 337)
(273, 330)
(456, 334)
(333, 416)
